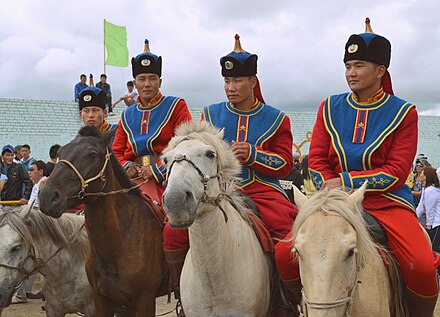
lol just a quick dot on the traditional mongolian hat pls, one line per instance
(146, 62)
(92, 97)
(370, 47)
(240, 63)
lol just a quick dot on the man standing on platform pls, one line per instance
(105, 87)
(79, 87)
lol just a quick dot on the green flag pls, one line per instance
(115, 41)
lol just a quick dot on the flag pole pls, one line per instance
(104, 48)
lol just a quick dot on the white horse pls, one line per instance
(57, 248)
(341, 271)
(226, 273)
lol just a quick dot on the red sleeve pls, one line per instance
(274, 158)
(319, 158)
(121, 146)
(181, 113)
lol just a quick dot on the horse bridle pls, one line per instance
(205, 179)
(333, 304)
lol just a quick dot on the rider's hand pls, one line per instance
(332, 183)
(241, 150)
(145, 172)
(23, 201)
(133, 171)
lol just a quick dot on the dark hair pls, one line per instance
(130, 83)
(40, 166)
(103, 75)
(431, 177)
(17, 148)
(26, 146)
(305, 167)
(54, 150)
(83, 75)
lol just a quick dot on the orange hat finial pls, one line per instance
(368, 28)
(147, 46)
(237, 46)
(91, 82)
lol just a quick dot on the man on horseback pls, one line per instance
(92, 108)
(144, 130)
(371, 135)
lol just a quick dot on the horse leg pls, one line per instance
(146, 305)
(104, 306)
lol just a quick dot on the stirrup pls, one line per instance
(179, 309)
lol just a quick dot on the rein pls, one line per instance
(38, 262)
(85, 183)
(215, 201)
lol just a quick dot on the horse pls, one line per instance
(126, 265)
(31, 242)
(341, 270)
(226, 272)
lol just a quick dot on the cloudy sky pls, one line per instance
(46, 44)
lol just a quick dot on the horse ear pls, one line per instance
(358, 196)
(26, 211)
(299, 197)
(221, 134)
(108, 135)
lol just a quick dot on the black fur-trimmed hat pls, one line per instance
(368, 47)
(91, 97)
(239, 63)
(146, 62)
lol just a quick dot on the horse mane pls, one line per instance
(337, 201)
(89, 131)
(227, 162)
(59, 231)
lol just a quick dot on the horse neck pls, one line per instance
(211, 237)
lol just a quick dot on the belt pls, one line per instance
(147, 160)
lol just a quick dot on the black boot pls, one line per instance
(175, 260)
(420, 306)
(292, 290)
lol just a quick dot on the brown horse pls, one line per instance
(126, 264)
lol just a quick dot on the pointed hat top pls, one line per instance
(237, 45)
(368, 28)
(91, 82)
(147, 46)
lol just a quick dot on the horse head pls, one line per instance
(16, 251)
(332, 245)
(81, 168)
(199, 164)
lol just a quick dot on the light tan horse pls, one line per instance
(341, 271)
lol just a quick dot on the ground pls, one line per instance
(33, 309)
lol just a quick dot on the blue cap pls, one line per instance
(8, 147)
(92, 97)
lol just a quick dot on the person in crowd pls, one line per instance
(53, 151)
(17, 154)
(430, 205)
(130, 95)
(370, 138)
(105, 87)
(26, 158)
(19, 186)
(146, 127)
(309, 188)
(295, 178)
(79, 87)
(3, 180)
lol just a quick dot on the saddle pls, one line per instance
(151, 198)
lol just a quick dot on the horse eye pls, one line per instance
(16, 249)
(93, 155)
(210, 154)
(351, 252)
(165, 160)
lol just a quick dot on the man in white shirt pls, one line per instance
(130, 95)
(37, 173)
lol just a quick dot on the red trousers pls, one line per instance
(276, 211)
(407, 244)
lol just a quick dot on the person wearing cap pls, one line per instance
(260, 137)
(19, 186)
(144, 130)
(368, 135)
(92, 108)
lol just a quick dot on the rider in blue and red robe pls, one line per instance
(144, 130)
(371, 135)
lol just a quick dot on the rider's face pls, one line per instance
(147, 85)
